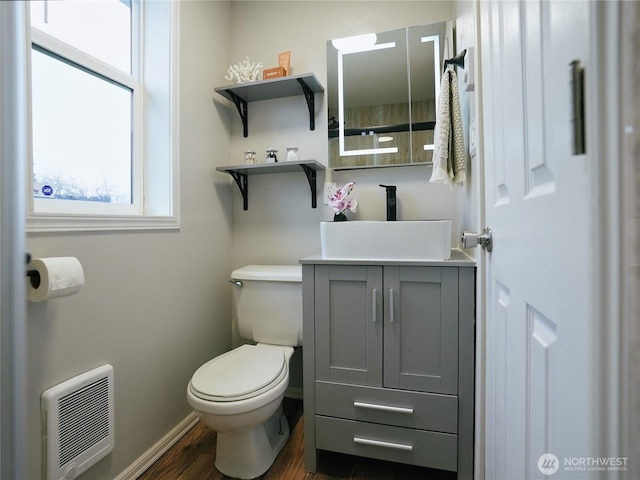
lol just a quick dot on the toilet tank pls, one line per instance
(268, 300)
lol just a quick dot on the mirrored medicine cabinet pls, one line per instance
(382, 91)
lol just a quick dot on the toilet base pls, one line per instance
(249, 453)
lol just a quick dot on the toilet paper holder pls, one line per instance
(34, 275)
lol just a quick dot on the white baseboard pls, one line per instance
(148, 458)
(293, 392)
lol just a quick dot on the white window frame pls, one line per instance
(155, 180)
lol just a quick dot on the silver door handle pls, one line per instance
(374, 304)
(391, 309)
(380, 443)
(472, 240)
(383, 408)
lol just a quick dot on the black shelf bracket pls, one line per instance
(243, 184)
(310, 98)
(241, 105)
(311, 177)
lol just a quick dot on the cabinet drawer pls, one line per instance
(405, 445)
(425, 411)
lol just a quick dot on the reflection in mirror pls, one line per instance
(381, 93)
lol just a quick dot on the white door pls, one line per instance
(540, 364)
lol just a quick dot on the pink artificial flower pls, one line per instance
(341, 201)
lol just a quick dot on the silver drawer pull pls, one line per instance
(383, 408)
(379, 443)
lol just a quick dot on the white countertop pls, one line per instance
(458, 259)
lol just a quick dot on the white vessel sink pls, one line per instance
(377, 240)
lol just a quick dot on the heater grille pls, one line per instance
(84, 419)
(78, 423)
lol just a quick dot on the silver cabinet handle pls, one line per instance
(383, 408)
(391, 309)
(374, 304)
(380, 443)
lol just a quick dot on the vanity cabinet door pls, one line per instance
(421, 329)
(348, 324)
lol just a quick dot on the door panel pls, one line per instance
(539, 174)
(496, 427)
(541, 334)
(421, 329)
(348, 334)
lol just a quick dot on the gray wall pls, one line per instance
(471, 209)
(155, 305)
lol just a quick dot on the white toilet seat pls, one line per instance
(242, 373)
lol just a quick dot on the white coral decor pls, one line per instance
(244, 72)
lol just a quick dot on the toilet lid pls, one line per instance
(238, 374)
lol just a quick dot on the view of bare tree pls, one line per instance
(66, 188)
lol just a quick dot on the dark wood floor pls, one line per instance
(193, 456)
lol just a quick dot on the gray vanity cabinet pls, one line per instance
(388, 362)
(394, 327)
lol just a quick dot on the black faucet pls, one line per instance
(391, 201)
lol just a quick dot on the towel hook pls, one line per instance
(457, 61)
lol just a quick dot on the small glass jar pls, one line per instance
(292, 154)
(250, 157)
(272, 156)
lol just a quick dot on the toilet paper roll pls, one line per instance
(59, 277)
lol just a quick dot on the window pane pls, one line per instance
(101, 28)
(82, 134)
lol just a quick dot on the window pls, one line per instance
(98, 156)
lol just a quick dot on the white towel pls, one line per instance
(449, 159)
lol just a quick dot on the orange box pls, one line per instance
(275, 72)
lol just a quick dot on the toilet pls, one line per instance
(239, 394)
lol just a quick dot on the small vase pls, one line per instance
(340, 217)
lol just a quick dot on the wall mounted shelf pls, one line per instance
(240, 94)
(240, 174)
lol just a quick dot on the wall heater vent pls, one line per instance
(77, 423)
